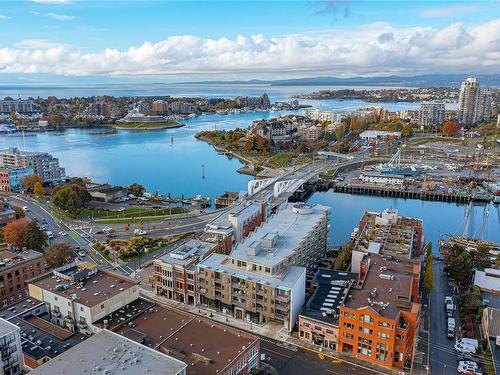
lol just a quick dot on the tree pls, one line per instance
(461, 268)
(339, 131)
(136, 189)
(451, 128)
(33, 237)
(249, 144)
(57, 255)
(19, 212)
(71, 198)
(38, 189)
(13, 232)
(28, 182)
(261, 143)
(406, 130)
(429, 272)
(344, 257)
(481, 257)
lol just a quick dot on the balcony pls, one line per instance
(69, 320)
(56, 313)
(281, 298)
(82, 325)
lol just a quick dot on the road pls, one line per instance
(298, 361)
(443, 359)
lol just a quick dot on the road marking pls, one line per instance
(334, 372)
(275, 352)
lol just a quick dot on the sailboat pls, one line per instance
(471, 242)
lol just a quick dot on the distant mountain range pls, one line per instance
(431, 80)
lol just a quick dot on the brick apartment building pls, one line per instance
(15, 269)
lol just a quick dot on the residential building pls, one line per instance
(468, 103)
(159, 107)
(206, 346)
(251, 295)
(100, 108)
(310, 133)
(319, 320)
(264, 276)
(11, 178)
(488, 280)
(15, 269)
(253, 102)
(388, 234)
(110, 352)
(136, 115)
(485, 105)
(182, 108)
(19, 106)
(431, 114)
(174, 274)
(11, 355)
(378, 135)
(80, 294)
(382, 179)
(42, 163)
(7, 214)
(379, 321)
(319, 115)
(234, 225)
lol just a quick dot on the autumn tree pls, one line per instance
(38, 189)
(339, 131)
(344, 257)
(19, 212)
(261, 143)
(136, 189)
(28, 182)
(429, 272)
(13, 232)
(57, 255)
(451, 129)
(33, 237)
(72, 198)
(406, 131)
(249, 144)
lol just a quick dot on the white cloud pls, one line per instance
(448, 10)
(52, 1)
(59, 17)
(3, 17)
(373, 49)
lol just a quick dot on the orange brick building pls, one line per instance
(380, 318)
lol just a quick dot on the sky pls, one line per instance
(198, 40)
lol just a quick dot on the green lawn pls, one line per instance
(304, 159)
(129, 213)
(282, 159)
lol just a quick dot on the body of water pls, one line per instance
(439, 218)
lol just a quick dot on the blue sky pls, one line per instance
(62, 31)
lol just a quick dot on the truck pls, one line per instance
(465, 348)
(466, 341)
(451, 328)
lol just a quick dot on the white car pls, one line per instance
(140, 232)
(61, 233)
(467, 367)
(81, 254)
(25, 208)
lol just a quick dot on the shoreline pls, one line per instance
(140, 127)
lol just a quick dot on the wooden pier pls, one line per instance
(383, 191)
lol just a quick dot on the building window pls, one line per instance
(305, 324)
(383, 335)
(365, 347)
(102, 305)
(348, 335)
(366, 318)
(381, 354)
(384, 324)
(349, 315)
(329, 332)
(349, 325)
(366, 331)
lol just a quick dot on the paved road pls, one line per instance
(298, 361)
(443, 359)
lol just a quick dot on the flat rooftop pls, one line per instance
(387, 233)
(208, 345)
(19, 307)
(6, 327)
(9, 259)
(291, 227)
(287, 279)
(40, 338)
(114, 354)
(184, 254)
(96, 289)
(386, 288)
(331, 290)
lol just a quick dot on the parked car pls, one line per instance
(25, 208)
(81, 254)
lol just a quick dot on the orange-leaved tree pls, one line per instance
(14, 231)
(451, 128)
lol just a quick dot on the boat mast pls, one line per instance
(467, 218)
(486, 214)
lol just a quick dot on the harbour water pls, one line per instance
(172, 160)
